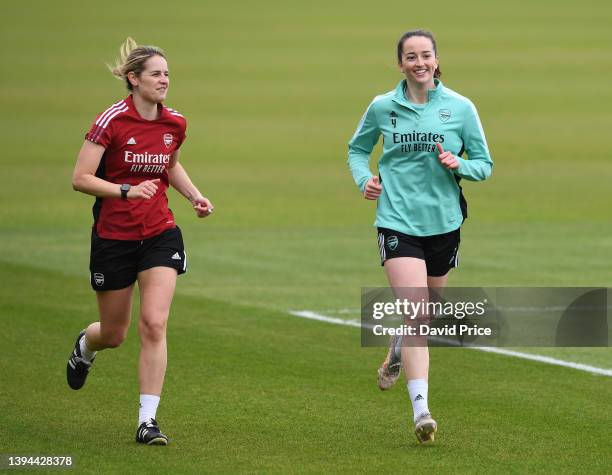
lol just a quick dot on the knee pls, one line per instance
(152, 327)
(114, 338)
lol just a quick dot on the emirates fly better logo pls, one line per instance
(168, 139)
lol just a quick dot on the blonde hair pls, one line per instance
(132, 58)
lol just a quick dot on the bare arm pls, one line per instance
(84, 177)
(180, 181)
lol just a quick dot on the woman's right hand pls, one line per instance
(373, 189)
(144, 190)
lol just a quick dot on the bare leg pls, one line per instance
(437, 282)
(115, 307)
(436, 287)
(156, 291)
(408, 278)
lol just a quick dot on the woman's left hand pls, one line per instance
(202, 206)
(447, 159)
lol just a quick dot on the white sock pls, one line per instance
(148, 407)
(417, 390)
(86, 353)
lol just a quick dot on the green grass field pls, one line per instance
(272, 92)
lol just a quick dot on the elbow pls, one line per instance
(76, 183)
(483, 176)
(488, 172)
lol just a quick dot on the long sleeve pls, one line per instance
(479, 166)
(361, 146)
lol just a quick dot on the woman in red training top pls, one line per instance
(129, 159)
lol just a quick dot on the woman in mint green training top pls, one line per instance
(426, 128)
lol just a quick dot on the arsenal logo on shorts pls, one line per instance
(168, 139)
(392, 242)
(99, 279)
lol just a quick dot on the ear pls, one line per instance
(132, 78)
(400, 67)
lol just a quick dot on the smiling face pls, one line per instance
(153, 82)
(419, 61)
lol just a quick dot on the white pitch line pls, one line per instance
(324, 318)
(500, 351)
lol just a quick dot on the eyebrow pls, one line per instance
(413, 52)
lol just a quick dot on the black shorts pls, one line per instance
(440, 252)
(115, 264)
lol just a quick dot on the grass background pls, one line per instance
(272, 92)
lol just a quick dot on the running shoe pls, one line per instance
(148, 433)
(389, 370)
(425, 428)
(78, 367)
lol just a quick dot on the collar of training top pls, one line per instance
(432, 94)
(162, 111)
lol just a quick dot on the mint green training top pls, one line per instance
(420, 197)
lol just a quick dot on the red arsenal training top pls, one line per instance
(136, 150)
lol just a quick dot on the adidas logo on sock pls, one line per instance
(176, 256)
(132, 141)
(419, 398)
